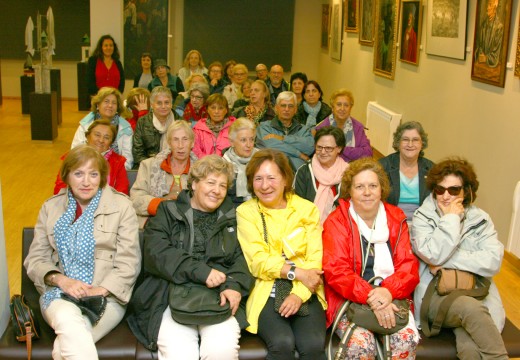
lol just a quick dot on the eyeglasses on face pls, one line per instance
(195, 97)
(452, 190)
(414, 141)
(327, 149)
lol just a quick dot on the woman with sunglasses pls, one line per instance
(407, 168)
(319, 180)
(450, 232)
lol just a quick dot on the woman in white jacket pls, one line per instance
(450, 232)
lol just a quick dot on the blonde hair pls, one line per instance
(186, 62)
(208, 165)
(241, 123)
(102, 94)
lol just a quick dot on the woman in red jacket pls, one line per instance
(100, 135)
(366, 237)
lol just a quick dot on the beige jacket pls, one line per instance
(117, 252)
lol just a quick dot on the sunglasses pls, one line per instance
(452, 190)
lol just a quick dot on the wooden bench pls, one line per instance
(121, 344)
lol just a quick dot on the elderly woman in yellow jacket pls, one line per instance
(280, 235)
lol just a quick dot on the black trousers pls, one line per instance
(283, 336)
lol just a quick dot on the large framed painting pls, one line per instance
(145, 30)
(336, 31)
(446, 28)
(517, 62)
(325, 18)
(351, 16)
(491, 41)
(387, 14)
(411, 24)
(367, 16)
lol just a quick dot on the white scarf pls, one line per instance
(240, 164)
(378, 235)
(162, 130)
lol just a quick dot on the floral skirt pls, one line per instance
(362, 344)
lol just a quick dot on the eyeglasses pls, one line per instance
(194, 97)
(414, 141)
(240, 74)
(452, 190)
(327, 149)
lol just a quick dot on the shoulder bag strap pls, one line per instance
(478, 293)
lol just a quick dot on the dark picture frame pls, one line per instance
(351, 16)
(410, 35)
(367, 16)
(490, 45)
(385, 43)
(145, 30)
(325, 25)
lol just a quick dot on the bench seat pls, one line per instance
(121, 344)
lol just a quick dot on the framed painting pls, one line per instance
(491, 41)
(325, 16)
(387, 14)
(446, 28)
(367, 15)
(410, 36)
(145, 30)
(336, 31)
(517, 61)
(351, 16)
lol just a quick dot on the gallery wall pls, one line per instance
(462, 117)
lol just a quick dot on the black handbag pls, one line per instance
(196, 304)
(25, 326)
(92, 307)
(283, 286)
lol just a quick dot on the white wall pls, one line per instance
(462, 117)
(4, 282)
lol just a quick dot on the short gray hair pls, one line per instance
(241, 123)
(286, 95)
(202, 88)
(410, 125)
(160, 90)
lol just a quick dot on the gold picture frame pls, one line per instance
(491, 42)
(410, 34)
(367, 17)
(351, 16)
(517, 62)
(385, 43)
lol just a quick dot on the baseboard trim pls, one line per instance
(513, 259)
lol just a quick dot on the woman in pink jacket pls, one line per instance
(212, 133)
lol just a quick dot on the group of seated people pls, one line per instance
(280, 213)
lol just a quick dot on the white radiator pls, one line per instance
(513, 243)
(381, 124)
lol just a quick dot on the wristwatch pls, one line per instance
(291, 275)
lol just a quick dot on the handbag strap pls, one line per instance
(342, 346)
(478, 293)
(28, 339)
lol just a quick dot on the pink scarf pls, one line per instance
(327, 178)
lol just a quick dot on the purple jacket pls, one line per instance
(362, 148)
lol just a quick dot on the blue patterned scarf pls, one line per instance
(75, 243)
(313, 112)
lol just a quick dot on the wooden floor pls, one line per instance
(28, 170)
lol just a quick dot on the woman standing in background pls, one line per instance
(104, 67)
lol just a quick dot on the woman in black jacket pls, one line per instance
(193, 240)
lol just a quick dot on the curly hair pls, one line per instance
(410, 125)
(98, 52)
(460, 168)
(208, 165)
(102, 94)
(361, 165)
